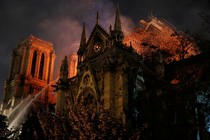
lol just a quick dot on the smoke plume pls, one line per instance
(64, 27)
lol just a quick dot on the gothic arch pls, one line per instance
(41, 67)
(87, 97)
(33, 64)
(46, 62)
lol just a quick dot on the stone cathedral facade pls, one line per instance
(109, 73)
(31, 70)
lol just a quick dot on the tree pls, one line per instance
(31, 128)
(185, 43)
(4, 132)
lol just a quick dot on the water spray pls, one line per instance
(19, 114)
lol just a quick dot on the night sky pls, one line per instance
(60, 21)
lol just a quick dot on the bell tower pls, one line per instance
(31, 70)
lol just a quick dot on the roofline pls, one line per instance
(32, 38)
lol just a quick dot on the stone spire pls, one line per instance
(64, 70)
(117, 26)
(97, 18)
(82, 41)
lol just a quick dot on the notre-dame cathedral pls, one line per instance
(104, 71)
(107, 72)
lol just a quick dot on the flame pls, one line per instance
(157, 33)
(174, 81)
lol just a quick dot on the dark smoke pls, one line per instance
(65, 26)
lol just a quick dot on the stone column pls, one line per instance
(30, 58)
(23, 61)
(11, 67)
(121, 95)
(109, 90)
(51, 68)
(125, 96)
(46, 65)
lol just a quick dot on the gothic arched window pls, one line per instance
(41, 69)
(87, 98)
(33, 66)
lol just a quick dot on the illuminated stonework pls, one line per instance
(31, 70)
(73, 59)
(105, 71)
